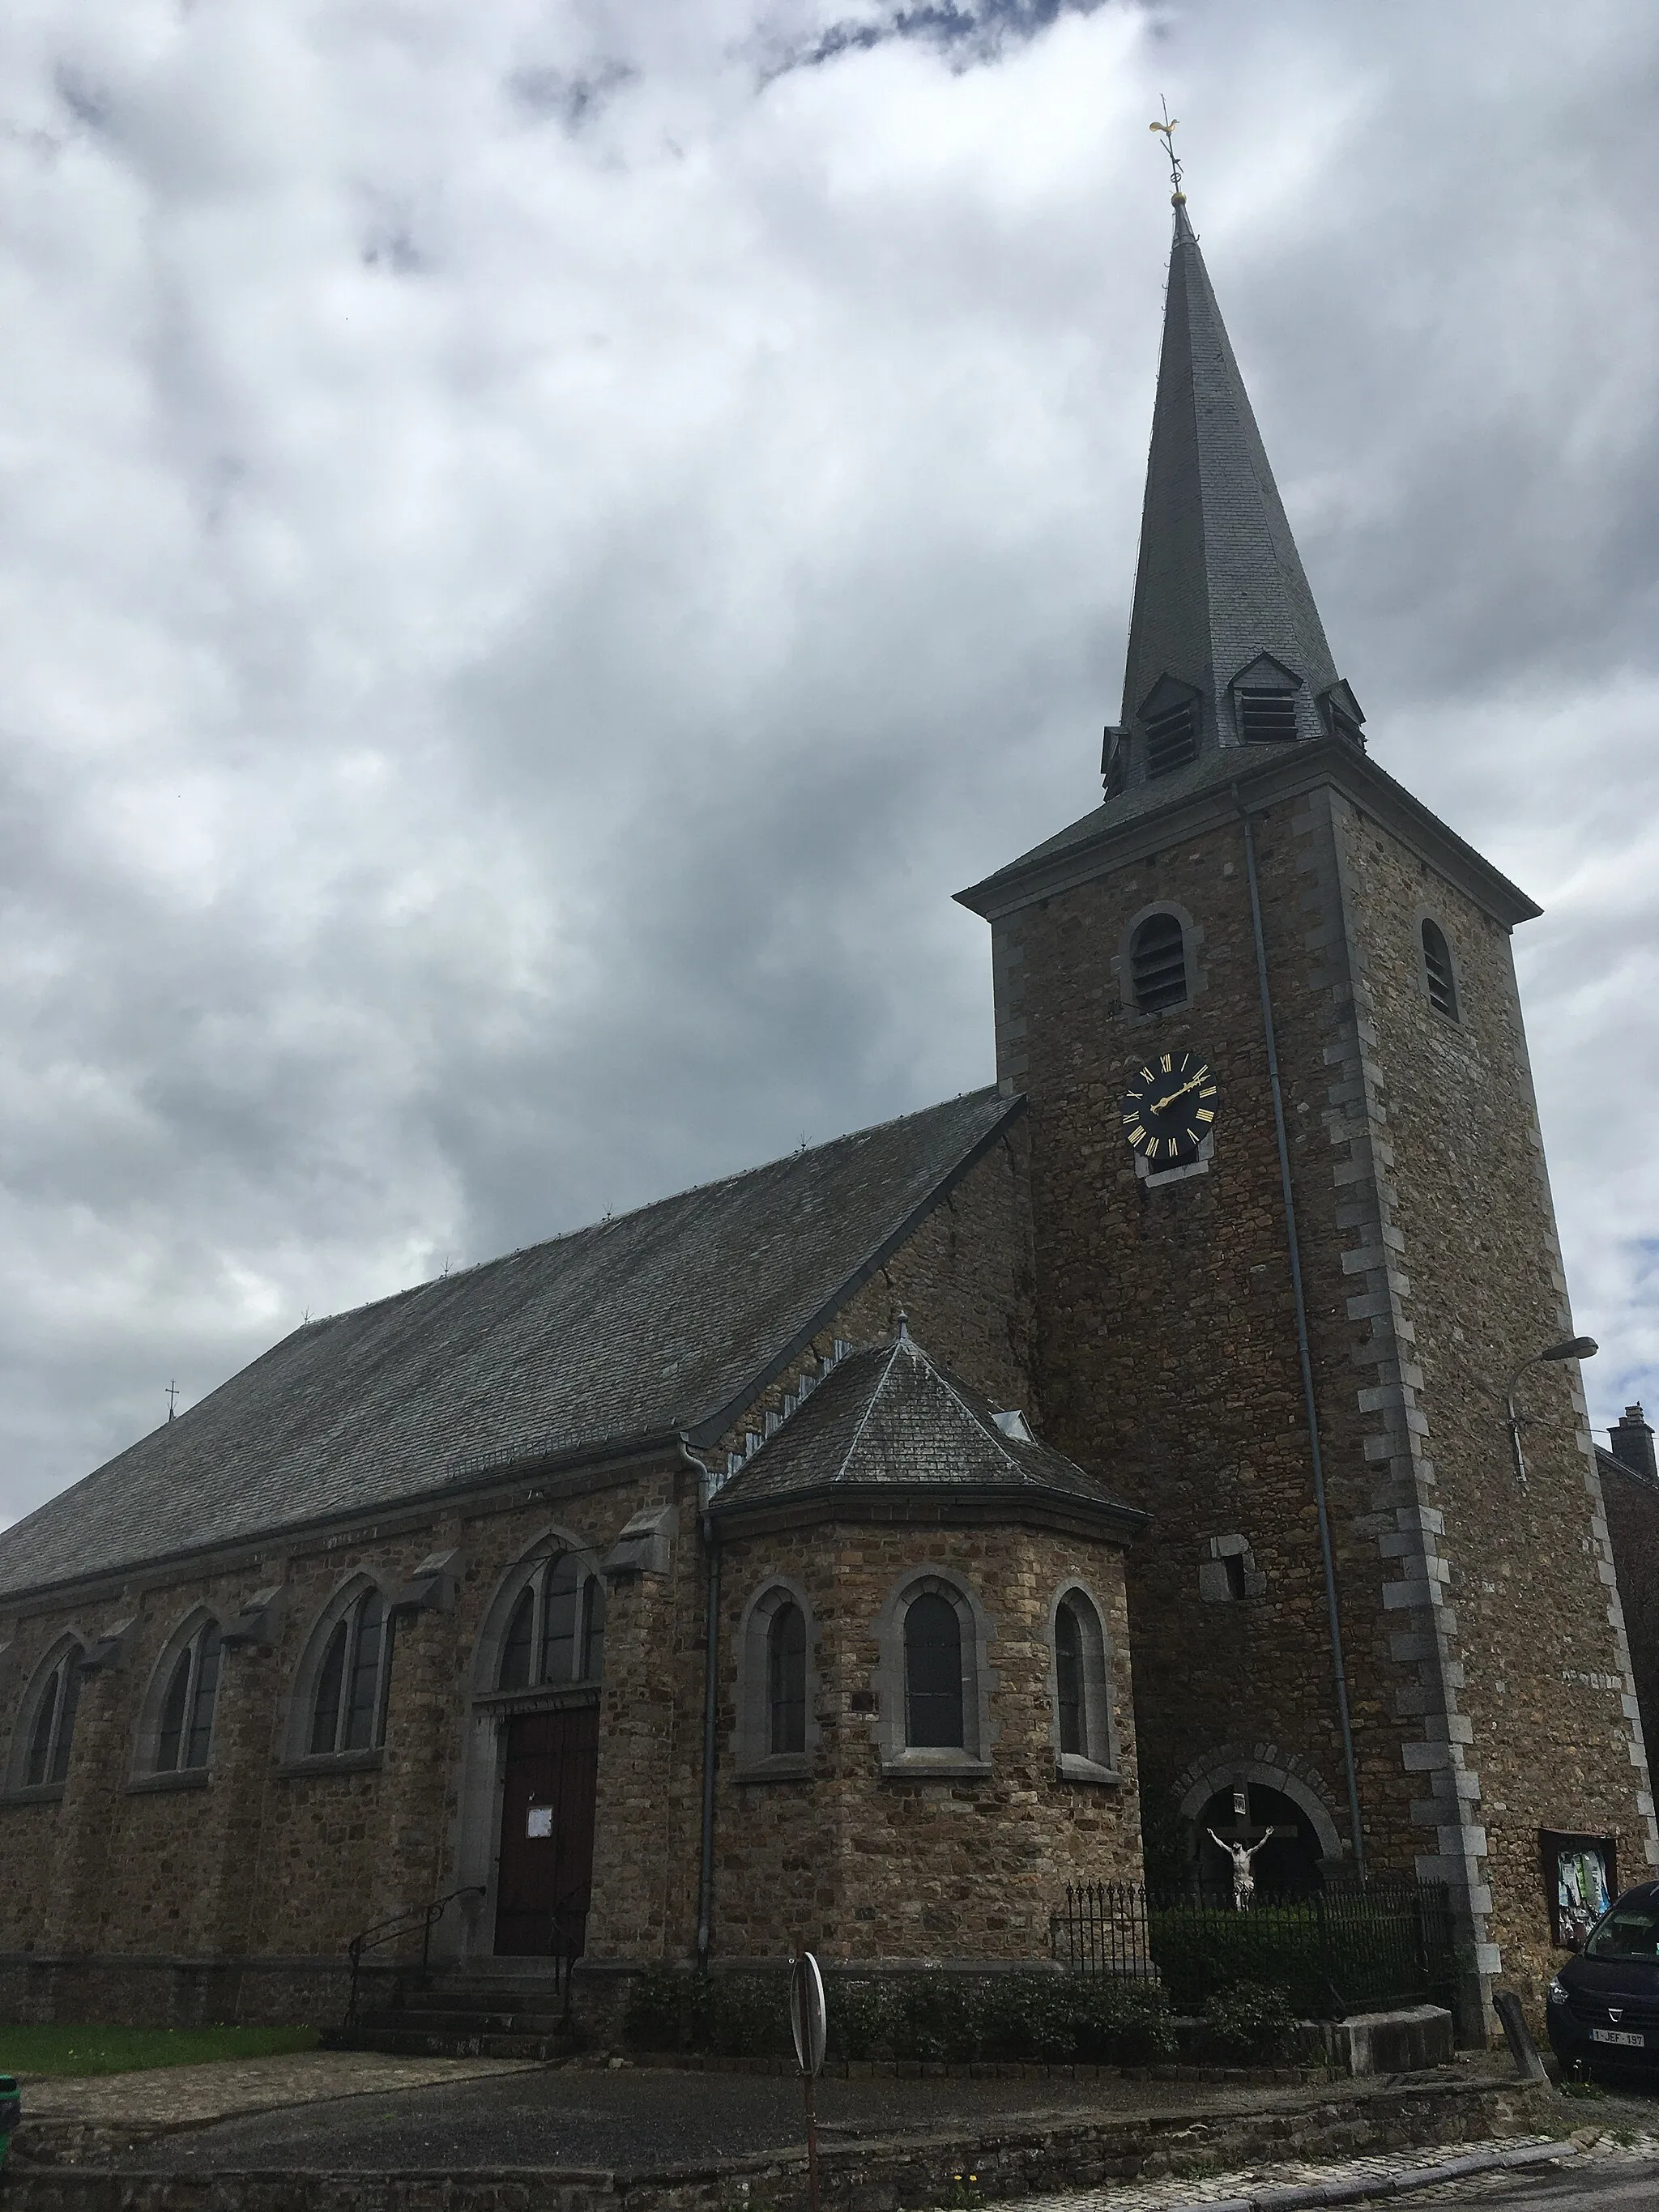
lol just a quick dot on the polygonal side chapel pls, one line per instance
(856, 1551)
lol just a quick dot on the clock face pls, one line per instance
(1169, 1107)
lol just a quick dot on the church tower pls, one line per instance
(1294, 1244)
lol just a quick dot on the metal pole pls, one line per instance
(1309, 1397)
(812, 2143)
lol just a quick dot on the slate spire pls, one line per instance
(1220, 583)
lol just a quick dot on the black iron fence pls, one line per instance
(1362, 1948)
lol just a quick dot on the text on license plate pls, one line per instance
(1619, 2035)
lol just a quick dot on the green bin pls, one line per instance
(11, 2111)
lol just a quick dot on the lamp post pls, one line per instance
(1576, 1348)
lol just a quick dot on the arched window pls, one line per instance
(185, 1735)
(556, 1632)
(1071, 1703)
(786, 1680)
(1083, 1691)
(348, 1703)
(1438, 970)
(1157, 964)
(51, 1728)
(932, 1675)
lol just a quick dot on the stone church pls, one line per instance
(859, 1550)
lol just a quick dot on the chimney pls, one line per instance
(1630, 1441)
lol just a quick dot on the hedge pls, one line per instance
(1050, 2017)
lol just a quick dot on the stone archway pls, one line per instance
(1284, 1794)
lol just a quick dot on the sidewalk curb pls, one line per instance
(1294, 2195)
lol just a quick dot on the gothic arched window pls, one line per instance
(1157, 964)
(786, 1680)
(1082, 1690)
(347, 1700)
(50, 1727)
(185, 1726)
(932, 1675)
(555, 1630)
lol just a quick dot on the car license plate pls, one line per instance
(1618, 2035)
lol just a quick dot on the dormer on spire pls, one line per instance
(1226, 644)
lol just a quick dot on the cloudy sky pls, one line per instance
(540, 543)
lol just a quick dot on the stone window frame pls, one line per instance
(301, 1759)
(754, 1758)
(552, 1542)
(68, 1645)
(905, 1761)
(1122, 963)
(1099, 1763)
(148, 1772)
(1229, 1560)
(1425, 916)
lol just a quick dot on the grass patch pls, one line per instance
(61, 2050)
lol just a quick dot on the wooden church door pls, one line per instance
(545, 1871)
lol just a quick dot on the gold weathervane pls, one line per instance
(1167, 128)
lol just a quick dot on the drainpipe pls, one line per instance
(1326, 1556)
(710, 1722)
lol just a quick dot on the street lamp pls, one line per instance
(1576, 1348)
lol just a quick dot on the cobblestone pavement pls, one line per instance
(1614, 2154)
(188, 2095)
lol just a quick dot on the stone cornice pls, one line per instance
(935, 1505)
(1287, 774)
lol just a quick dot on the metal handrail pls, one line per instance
(423, 1916)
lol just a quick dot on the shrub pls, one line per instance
(1252, 2019)
(1019, 2016)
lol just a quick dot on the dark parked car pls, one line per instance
(1603, 2006)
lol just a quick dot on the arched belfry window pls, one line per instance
(48, 1730)
(1084, 1733)
(352, 1678)
(1438, 971)
(184, 1732)
(555, 1630)
(932, 1675)
(1158, 964)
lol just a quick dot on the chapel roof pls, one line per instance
(887, 1419)
(662, 1321)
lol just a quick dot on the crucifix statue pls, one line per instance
(1243, 1872)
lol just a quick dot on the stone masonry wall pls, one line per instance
(1515, 1584)
(863, 1864)
(238, 1892)
(1169, 1354)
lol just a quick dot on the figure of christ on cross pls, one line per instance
(1243, 1872)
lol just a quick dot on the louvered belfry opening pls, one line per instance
(1171, 737)
(1437, 961)
(1158, 964)
(1267, 718)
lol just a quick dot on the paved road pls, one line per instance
(632, 2122)
(1592, 2186)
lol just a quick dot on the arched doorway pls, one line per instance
(1286, 1863)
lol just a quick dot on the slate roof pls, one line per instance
(1219, 578)
(888, 1418)
(669, 1318)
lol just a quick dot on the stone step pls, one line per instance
(454, 2042)
(417, 2020)
(478, 1996)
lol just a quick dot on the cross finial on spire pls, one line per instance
(1167, 129)
(173, 1399)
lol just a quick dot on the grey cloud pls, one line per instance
(485, 749)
